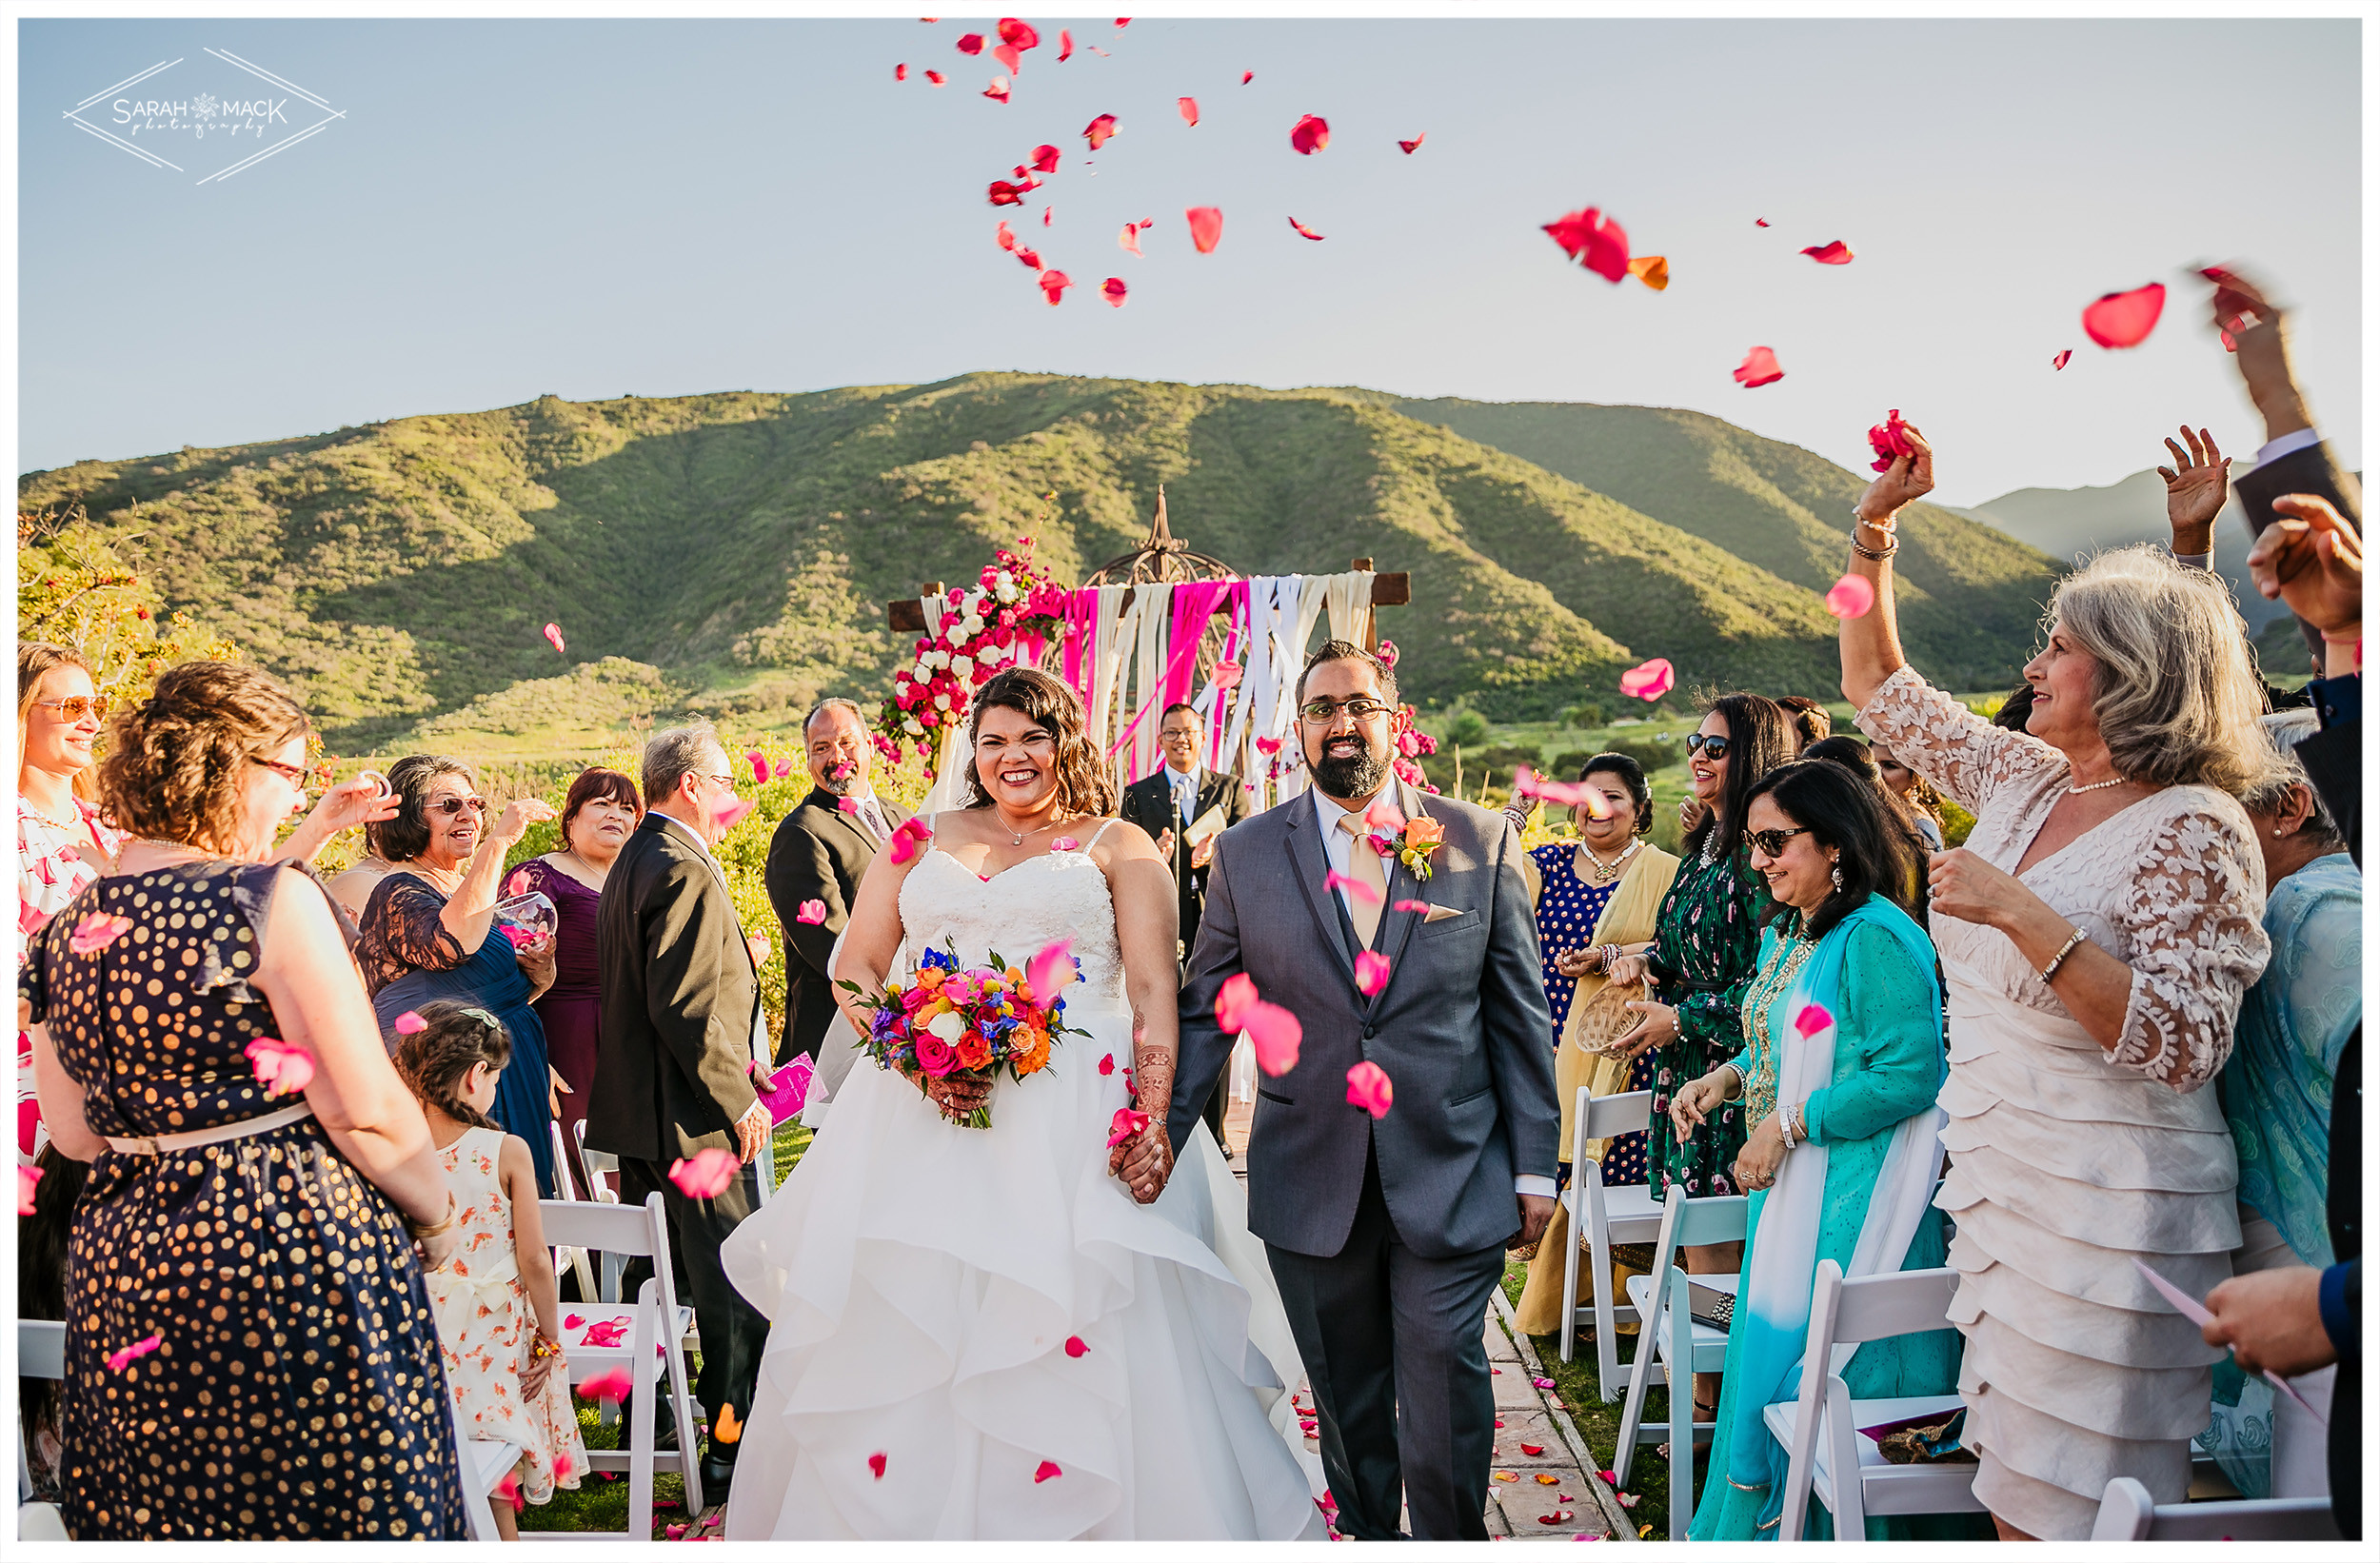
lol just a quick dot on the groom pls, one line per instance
(1386, 1236)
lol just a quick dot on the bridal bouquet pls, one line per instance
(945, 1021)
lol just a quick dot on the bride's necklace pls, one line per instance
(1015, 837)
(1603, 873)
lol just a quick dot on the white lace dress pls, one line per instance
(923, 1282)
(2068, 1161)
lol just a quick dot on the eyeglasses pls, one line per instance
(1772, 843)
(456, 805)
(75, 707)
(294, 775)
(1323, 712)
(1709, 746)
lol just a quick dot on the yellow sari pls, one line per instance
(1596, 1017)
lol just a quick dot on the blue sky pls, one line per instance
(593, 207)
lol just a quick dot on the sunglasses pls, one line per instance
(1709, 746)
(1772, 843)
(75, 707)
(456, 805)
(1323, 712)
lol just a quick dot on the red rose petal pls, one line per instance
(1416, 141)
(1046, 1470)
(2125, 320)
(1074, 1346)
(1107, 1065)
(971, 43)
(1046, 158)
(1812, 1020)
(935, 77)
(901, 72)
(1007, 56)
(1651, 680)
(1246, 77)
(1206, 228)
(1055, 283)
(1129, 239)
(1594, 241)
(1004, 195)
(1759, 222)
(1369, 1087)
(998, 92)
(1309, 135)
(1834, 254)
(1100, 131)
(1029, 258)
(1189, 108)
(876, 1463)
(1533, 1449)
(1003, 237)
(1759, 367)
(1303, 230)
(1889, 439)
(553, 633)
(1113, 290)
(1019, 34)
(1066, 45)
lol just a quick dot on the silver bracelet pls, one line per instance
(2058, 959)
(1785, 1126)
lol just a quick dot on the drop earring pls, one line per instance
(1837, 875)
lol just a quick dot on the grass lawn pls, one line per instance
(600, 1505)
(1580, 1389)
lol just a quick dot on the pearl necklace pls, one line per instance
(1604, 873)
(2094, 786)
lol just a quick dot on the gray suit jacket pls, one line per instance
(1461, 1029)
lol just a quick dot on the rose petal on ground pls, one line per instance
(1188, 108)
(1504, 1475)
(1369, 1087)
(1206, 228)
(704, 1174)
(1309, 135)
(2124, 320)
(1416, 141)
(1277, 1034)
(1113, 290)
(1100, 131)
(1303, 230)
(1652, 271)
(1542, 1383)
(1835, 252)
(1850, 598)
(1533, 1449)
(1648, 681)
(1759, 367)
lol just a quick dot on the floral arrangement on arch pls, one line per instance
(979, 633)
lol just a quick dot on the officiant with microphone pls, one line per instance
(1184, 806)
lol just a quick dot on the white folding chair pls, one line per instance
(650, 1350)
(40, 1354)
(603, 1173)
(1599, 1217)
(1674, 1346)
(567, 1188)
(2127, 1513)
(483, 1463)
(1827, 1457)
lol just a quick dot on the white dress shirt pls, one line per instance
(1184, 785)
(1335, 844)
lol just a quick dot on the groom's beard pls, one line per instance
(1359, 775)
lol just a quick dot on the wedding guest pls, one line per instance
(1836, 863)
(2276, 1093)
(1808, 718)
(1166, 802)
(816, 858)
(1920, 800)
(597, 817)
(249, 1339)
(1705, 945)
(2090, 1002)
(1853, 756)
(683, 1029)
(429, 931)
(1598, 903)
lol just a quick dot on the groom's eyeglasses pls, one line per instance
(1323, 712)
(1772, 843)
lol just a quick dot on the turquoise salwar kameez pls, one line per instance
(1874, 973)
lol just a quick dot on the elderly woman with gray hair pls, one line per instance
(2277, 1098)
(428, 931)
(2098, 933)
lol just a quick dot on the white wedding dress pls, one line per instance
(924, 1282)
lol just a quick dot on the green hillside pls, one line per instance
(733, 552)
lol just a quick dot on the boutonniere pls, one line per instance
(1413, 842)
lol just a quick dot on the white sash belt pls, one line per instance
(160, 1144)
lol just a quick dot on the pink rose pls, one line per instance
(935, 1056)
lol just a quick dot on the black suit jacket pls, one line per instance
(2307, 471)
(681, 996)
(819, 854)
(1149, 803)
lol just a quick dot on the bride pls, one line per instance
(1014, 1333)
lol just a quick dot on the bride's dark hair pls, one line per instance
(1050, 703)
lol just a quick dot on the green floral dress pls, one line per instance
(1706, 945)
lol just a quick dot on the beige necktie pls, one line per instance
(1365, 866)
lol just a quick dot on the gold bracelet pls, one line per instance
(418, 1231)
(2059, 960)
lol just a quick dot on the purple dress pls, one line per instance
(573, 1007)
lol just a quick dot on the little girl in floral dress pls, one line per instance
(498, 1309)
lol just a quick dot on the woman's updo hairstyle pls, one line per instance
(178, 763)
(1050, 703)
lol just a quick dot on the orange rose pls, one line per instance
(1423, 831)
(973, 1052)
(930, 979)
(1034, 1054)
